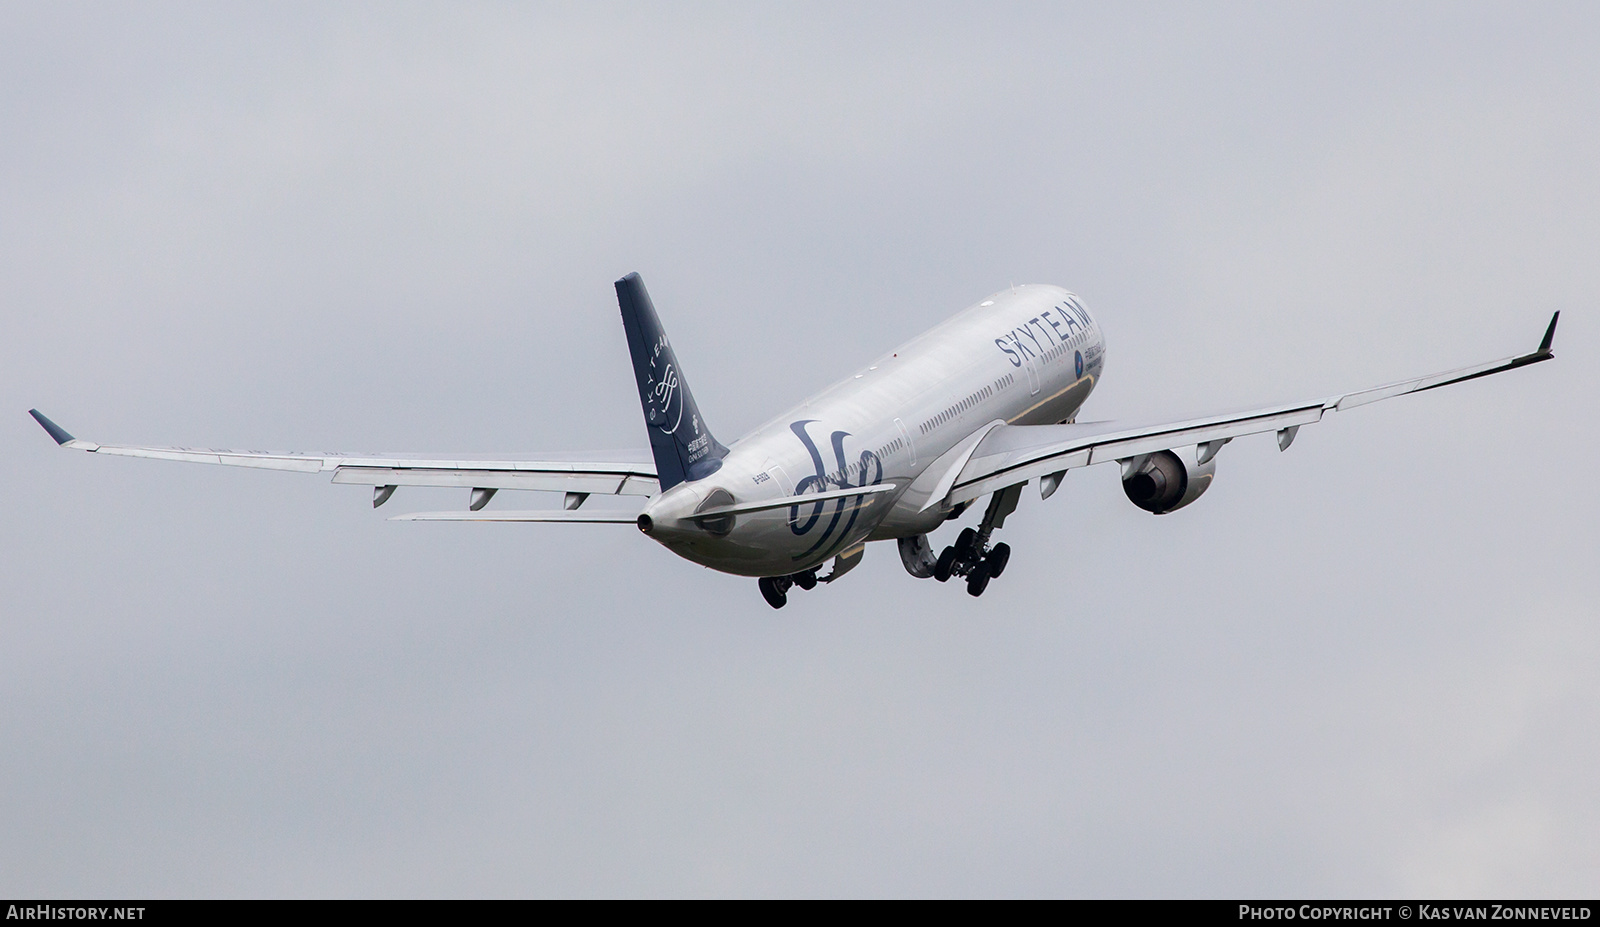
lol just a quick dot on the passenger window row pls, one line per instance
(964, 405)
(890, 448)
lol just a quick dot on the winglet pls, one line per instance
(56, 431)
(1549, 335)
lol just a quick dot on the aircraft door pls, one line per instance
(911, 446)
(776, 474)
(1031, 364)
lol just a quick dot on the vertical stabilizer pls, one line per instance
(682, 444)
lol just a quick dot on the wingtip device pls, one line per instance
(1550, 334)
(56, 431)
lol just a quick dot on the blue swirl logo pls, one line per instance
(822, 481)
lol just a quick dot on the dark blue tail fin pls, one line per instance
(679, 439)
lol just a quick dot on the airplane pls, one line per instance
(980, 405)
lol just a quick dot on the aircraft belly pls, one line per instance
(765, 544)
(906, 521)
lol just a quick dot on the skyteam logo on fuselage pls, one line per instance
(1058, 325)
(822, 481)
(1077, 364)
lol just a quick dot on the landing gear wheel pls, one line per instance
(775, 596)
(941, 569)
(806, 580)
(966, 541)
(978, 581)
(995, 563)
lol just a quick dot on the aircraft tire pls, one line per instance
(995, 563)
(965, 542)
(769, 590)
(977, 582)
(806, 580)
(941, 568)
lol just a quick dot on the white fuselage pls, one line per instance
(1025, 356)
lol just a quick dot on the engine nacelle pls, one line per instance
(1167, 480)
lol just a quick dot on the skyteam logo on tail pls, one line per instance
(822, 481)
(666, 399)
(668, 403)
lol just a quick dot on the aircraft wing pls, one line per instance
(1012, 454)
(625, 473)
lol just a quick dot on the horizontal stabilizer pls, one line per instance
(581, 518)
(745, 508)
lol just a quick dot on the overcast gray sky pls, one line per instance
(1364, 667)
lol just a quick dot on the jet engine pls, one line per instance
(1168, 480)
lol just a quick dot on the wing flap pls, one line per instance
(541, 480)
(1010, 476)
(1162, 439)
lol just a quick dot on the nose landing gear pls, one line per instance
(970, 556)
(775, 589)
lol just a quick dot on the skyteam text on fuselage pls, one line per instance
(978, 406)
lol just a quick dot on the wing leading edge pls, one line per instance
(1012, 454)
(631, 477)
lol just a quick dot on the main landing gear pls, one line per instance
(967, 557)
(970, 556)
